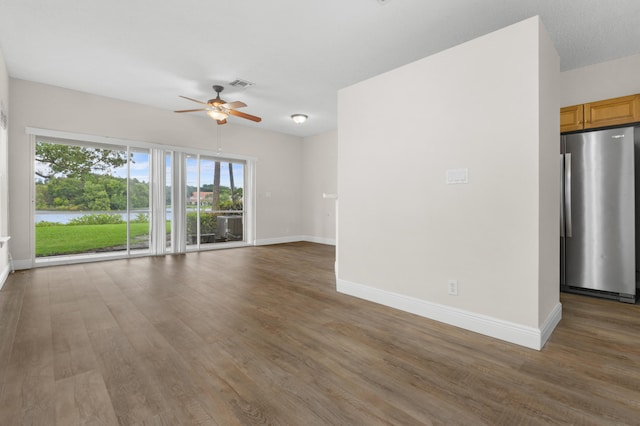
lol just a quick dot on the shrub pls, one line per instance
(141, 218)
(207, 223)
(97, 219)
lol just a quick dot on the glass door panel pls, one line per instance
(81, 198)
(215, 200)
(168, 202)
(230, 211)
(138, 196)
(192, 204)
(209, 199)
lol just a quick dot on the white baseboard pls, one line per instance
(320, 240)
(4, 274)
(550, 323)
(295, 239)
(279, 240)
(519, 334)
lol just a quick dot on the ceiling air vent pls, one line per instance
(243, 84)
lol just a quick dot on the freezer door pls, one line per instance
(600, 211)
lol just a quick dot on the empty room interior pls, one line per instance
(374, 212)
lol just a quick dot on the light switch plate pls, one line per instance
(457, 176)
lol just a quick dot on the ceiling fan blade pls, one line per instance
(222, 121)
(236, 104)
(191, 110)
(194, 100)
(243, 115)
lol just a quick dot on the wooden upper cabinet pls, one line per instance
(612, 112)
(571, 118)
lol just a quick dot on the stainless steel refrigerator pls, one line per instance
(598, 220)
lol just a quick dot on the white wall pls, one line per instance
(403, 233)
(4, 189)
(605, 80)
(279, 168)
(548, 182)
(320, 175)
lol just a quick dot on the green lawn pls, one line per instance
(65, 239)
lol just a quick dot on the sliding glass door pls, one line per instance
(97, 199)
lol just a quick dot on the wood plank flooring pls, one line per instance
(259, 336)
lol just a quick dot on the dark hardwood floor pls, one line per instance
(259, 336)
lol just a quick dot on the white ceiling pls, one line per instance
(298, 53)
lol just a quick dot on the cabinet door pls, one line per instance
(571, 118)
(612, 112)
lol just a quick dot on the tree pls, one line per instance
(215, 203)
(96, 198)
(75, 161)
(231, 184)
(63, 192)
(117, 190)
(138, 194)
(43, 198)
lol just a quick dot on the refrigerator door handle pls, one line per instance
(562, 195)
(567, 194)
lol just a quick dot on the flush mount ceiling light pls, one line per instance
(299, 118)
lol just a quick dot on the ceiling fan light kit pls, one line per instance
(217, 114)
(299, 118)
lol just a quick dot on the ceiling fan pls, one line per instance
(219, 109)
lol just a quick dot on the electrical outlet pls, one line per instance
(453, 287)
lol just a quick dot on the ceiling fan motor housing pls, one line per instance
(216, 101)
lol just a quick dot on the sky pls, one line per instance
(140, 170)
